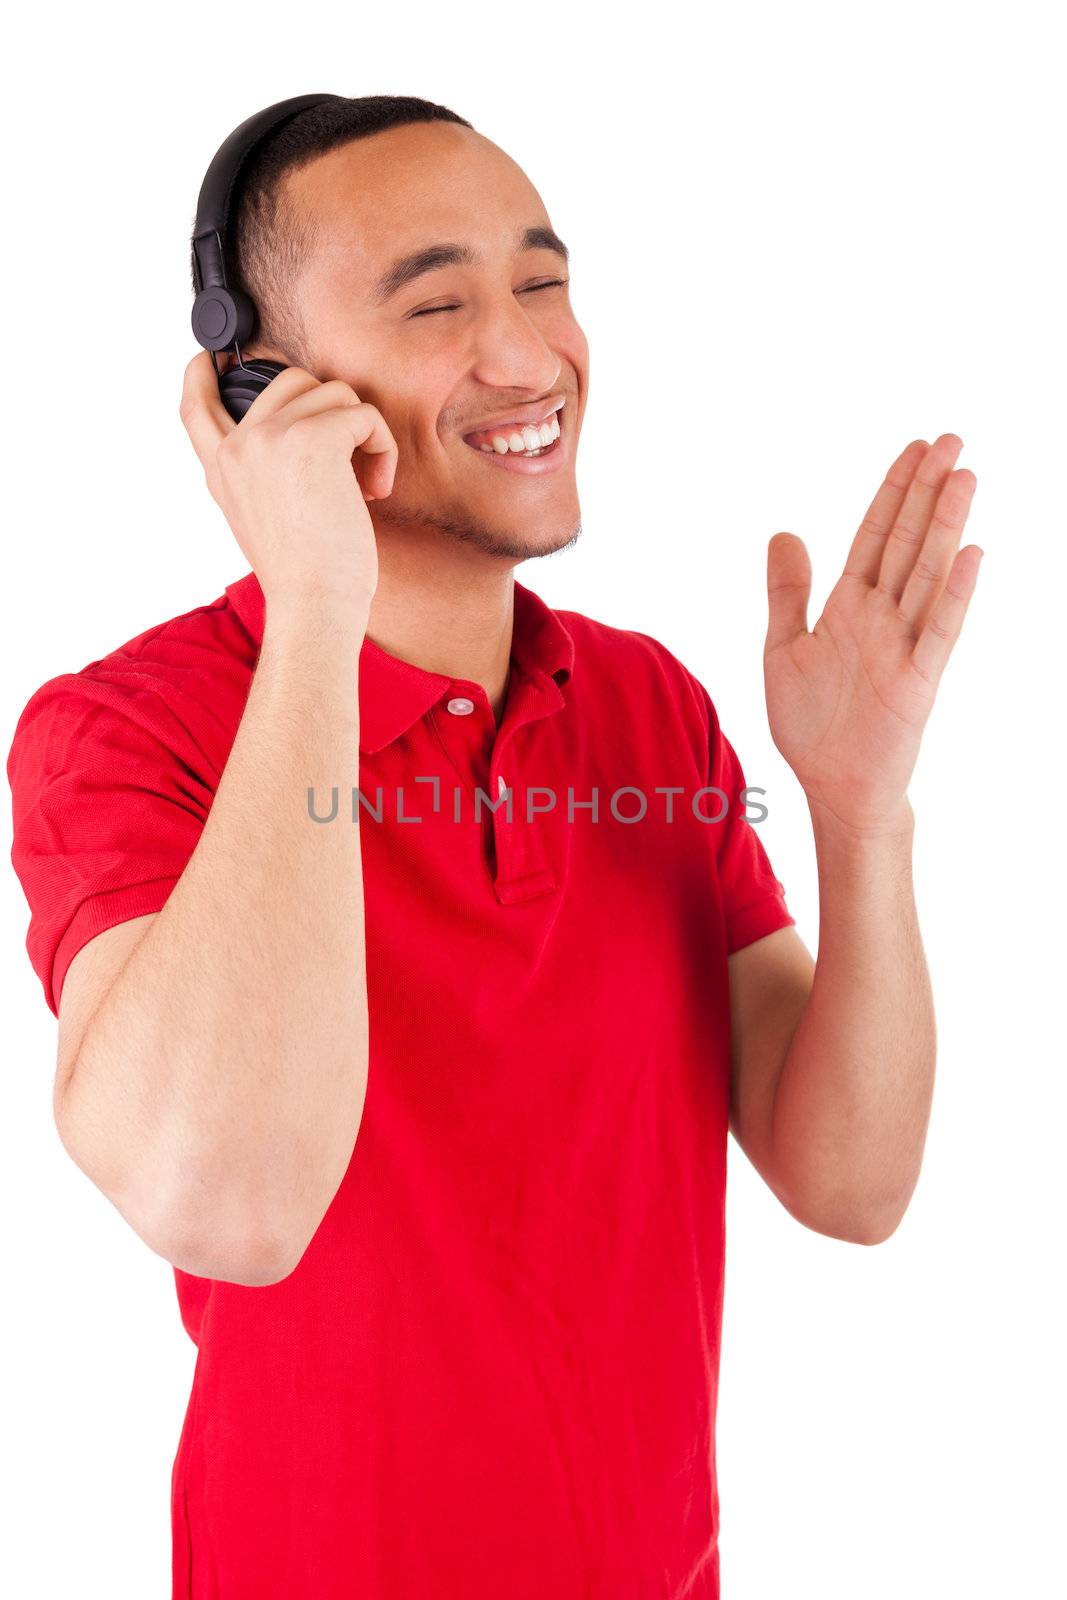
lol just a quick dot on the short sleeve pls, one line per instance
(753, 898)
(109, 798)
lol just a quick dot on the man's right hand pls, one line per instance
(285, 479)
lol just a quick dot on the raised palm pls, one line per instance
(848, 701)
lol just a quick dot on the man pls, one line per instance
(425, 1096)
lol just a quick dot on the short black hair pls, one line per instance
(267, 242)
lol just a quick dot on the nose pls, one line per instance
(510, 351)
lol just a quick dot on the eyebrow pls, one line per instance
(434, 256)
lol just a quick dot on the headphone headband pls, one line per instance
(224, 317)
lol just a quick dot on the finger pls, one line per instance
(931, 569)
(934, 645)
(377, 468)
(906, 536)
(313, 398)
(865, 553)
(206, 420)
(205, 417)
(363, 428)
(788, 589)
(290, 384)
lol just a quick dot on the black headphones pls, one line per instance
(224, 317)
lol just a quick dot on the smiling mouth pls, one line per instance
(520, 455)
(526, 441)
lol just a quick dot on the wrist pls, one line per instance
(312, 605)
(895, 826)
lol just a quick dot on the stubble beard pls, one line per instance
(472, 530)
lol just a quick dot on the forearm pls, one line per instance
(852, 1103)
(223, 1076)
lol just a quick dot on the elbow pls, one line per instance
(854, 1218)
(251, 1255)
(231, 1233)
(855, 1225)
(228, 1231)
(198, 1215)
(872, 1232)
(844, 1208)
(255, 1264)
(201, 1231)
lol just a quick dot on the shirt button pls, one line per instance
(502, 787)
(460, 706)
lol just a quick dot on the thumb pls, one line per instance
(788, 588)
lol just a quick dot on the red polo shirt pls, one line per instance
(494, 1371)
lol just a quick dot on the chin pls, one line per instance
(524, 544)
(516, 547)
(552, 546)
(522, 539)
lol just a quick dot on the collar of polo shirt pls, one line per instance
(394, 694)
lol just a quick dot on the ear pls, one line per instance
(259, 350)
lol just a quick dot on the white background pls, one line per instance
(801, 236)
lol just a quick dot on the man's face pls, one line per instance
(456, 348)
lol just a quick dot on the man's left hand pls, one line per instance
(847, 702)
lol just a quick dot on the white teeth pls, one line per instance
(530, 438)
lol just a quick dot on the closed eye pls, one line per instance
(553, 283)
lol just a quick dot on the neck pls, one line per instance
(451, 613)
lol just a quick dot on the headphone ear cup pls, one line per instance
(241, 385)
(222, 318)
